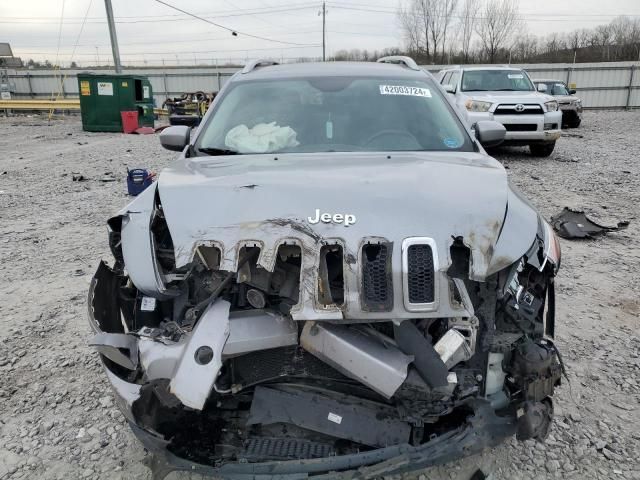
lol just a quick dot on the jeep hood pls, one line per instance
(265, 199)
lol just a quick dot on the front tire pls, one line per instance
(542, 149)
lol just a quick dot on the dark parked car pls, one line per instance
(569, 104)
(333, 276)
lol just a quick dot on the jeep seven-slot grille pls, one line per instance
(377, 290)
(420, 274)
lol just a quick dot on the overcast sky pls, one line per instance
(151, 32)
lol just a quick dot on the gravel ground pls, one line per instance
(58, 419)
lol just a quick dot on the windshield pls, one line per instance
(556, 88)
(332, 114)
(496, 80)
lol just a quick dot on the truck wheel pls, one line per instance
(542, 149)
(574, 123)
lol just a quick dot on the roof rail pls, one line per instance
(399, 59)
(253, 64)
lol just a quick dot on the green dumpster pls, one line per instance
(103, 97)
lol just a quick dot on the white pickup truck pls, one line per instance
(506, 95)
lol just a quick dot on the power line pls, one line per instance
(39, 21)
(233, 32)
(220, 14)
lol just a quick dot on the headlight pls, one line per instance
(552, 245)
(552, 106)
(477, 106)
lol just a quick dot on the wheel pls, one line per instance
(574, 123)
(542, 149)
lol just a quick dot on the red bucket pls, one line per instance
(129, 121)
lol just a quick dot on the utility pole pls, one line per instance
(113, 36)
(324, 23)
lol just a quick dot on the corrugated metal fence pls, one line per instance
(600, 85)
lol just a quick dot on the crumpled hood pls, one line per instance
(510, 97)
(268, 199)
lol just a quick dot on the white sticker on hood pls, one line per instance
(404, 90)
(515, 76)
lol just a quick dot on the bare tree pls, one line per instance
(604, 38)
(498, 22)
(467, 26)
(411, 27)
(424, 12)
(445, 10)
(425, 25)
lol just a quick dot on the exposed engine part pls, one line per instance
(494, 381)
(357, 354)
(426, 360)
(534, 370)
(453, 348)
(256, 298)
(254, 330)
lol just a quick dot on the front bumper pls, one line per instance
(571, 112)
(543, 128)
(483, 429)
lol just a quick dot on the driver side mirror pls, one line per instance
(175, 138)
(449, 88)
(542, 88)
(572, 91)
(490, 133)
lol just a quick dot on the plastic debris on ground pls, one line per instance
(575, 224)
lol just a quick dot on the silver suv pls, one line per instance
(506, 95)
(333, 275)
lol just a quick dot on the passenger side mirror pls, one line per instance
(572, 91)
(542, 88)
(175, 138)
(449, 88)
(490, 133)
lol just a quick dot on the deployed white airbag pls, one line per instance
(262, 138)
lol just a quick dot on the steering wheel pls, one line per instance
(395, 133)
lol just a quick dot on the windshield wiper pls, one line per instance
(217, 151)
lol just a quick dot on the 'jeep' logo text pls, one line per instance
(346, 219)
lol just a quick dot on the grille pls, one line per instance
(284, 448)
(521, 127)
(511, 110)
(420, 274)
(377, 293)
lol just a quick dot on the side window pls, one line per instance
(454, 80)
(445, 79)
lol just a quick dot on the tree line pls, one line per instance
(493, 31)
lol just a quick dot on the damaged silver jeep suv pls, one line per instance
(334, 279)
